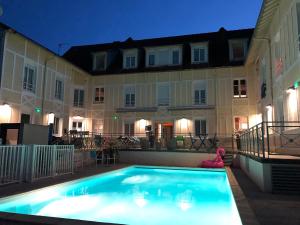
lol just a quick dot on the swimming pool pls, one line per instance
(136, 195)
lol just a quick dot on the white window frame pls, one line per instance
(155, 51)
(194, 89)
(61, 96)
(25, 83)
(239, 85)
(95, 55)
(157, 96)
(130, 53)
(94, 95)
(202, 45)
(78, 105)
(230, 42)
(125, 93)
(200, 119)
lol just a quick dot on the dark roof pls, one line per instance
(218, 51)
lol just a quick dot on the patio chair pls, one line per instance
(97, 157)
(193, 141)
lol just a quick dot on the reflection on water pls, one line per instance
(137, 196)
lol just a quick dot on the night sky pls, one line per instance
(79, 22)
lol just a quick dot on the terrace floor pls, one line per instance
(255, 207)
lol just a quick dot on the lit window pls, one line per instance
(200, 127)
(29, 81)
(239, 88)
(129, 96)
(59, 89)
(199, 53)
(78, 98)
(200, 93)
(129, 128)
(99, 61)
(163, 94)
(99, 95)
(238, 49)
(240, 123)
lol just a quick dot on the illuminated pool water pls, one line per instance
(136, 195)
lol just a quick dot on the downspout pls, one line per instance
(43, 87)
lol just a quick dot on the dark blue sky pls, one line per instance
(79, 22)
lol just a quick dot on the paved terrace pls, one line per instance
(254, 206)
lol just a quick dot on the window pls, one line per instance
(263, 78)
(130, 59)
(200, 93)
(29, 80)
(78, 98)
(164, 56)
(240, 123)
(77, 126)
(129, 128)
(200, 127)
(99, 95)
(151, 60)
(163, 94)
(59, 90)
(239, 88)
(175, 57)
(237, 49)
(129, 96)
(199, 53)
(99, 61)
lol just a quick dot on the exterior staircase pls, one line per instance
(286, 179)
(228, 159)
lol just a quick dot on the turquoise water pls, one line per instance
(136, 196)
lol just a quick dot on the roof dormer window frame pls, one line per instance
(130, 53)
(199, 46)
(155, 52)
(97, 54)
(245, 48)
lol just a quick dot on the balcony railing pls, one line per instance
(268, 139)
(85, 140)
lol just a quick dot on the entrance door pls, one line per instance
(164, 132)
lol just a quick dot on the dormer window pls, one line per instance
(99, 62)
(163, 56)
(237, 49)
(130, 59)
(199, 53)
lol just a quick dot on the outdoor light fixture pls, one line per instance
(77, 117)
(291, 89)
(51, 118)
(5, 112)
(268, 107)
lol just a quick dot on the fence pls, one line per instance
(271, 138)
(85, 140)
(34, 162)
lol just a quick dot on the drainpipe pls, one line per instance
(43, 87)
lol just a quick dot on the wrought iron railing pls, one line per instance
(85, 140)
(270, 138)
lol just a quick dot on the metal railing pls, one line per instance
(33, 162)
(147, 141)
(270, 138)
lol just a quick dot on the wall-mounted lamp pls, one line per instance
(77, 117)
(51, 116)
(268, 107)
(291, 89)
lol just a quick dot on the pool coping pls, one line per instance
(246, 213)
